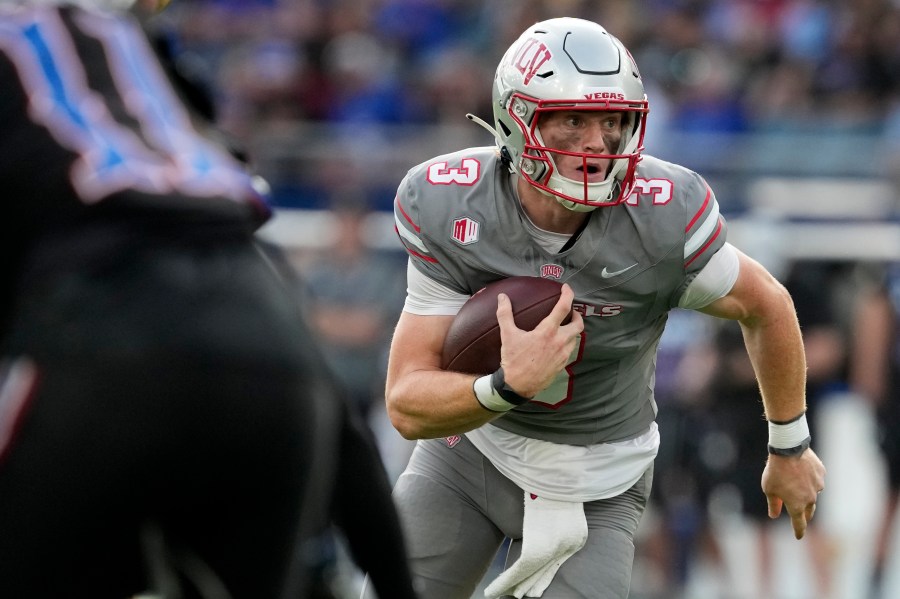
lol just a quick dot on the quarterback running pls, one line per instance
(557, 453)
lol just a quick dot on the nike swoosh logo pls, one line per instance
(606, 274)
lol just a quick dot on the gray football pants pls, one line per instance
(457, 509)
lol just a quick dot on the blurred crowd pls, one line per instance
(280, 69)
(730, 65)
(352, 74)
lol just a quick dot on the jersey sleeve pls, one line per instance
(713, 282)
(705, 232)
(412, 225)
(705, 229)
(425, 296)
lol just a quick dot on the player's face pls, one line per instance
(587, 132)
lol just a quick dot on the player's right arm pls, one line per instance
(423, 401)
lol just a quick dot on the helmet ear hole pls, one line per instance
(502, 126)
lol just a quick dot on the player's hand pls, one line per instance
(794, 483)
(532, 359)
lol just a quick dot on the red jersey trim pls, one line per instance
(413, 252)
(701, 211)
(406, 216)
(707, 244)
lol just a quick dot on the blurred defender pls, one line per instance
(165, 425)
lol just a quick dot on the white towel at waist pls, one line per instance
(551, 533)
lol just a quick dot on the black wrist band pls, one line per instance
(791, 452)
(498, 382)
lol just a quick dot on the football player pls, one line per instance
(555, 450)
(166, 424)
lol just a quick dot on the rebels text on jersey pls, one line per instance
(459, 220)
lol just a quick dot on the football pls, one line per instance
(472, 344)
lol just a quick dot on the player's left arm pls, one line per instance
(774, 343)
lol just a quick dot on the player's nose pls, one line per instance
(594, 140)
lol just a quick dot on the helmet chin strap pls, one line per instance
(569, 204)
(487, 127)
(504, 152)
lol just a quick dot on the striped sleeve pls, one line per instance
(408, 227)
(705, 230)
(413, 222)
(409, 231)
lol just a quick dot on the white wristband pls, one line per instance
(790, 435)
(488, 397)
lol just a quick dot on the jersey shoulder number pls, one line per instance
(465, 172)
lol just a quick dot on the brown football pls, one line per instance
(473, 342)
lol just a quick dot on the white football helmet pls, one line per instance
(569, 64)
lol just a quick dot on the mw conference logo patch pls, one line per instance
(465, 230)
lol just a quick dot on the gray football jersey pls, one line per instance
(460, 221)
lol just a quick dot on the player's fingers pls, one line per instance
(576, 325)
(798, 521)
(563, 305)
(775, 504)
(504, 313)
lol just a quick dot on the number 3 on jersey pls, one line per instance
(467, 173)
(661, 190)
(560, 390)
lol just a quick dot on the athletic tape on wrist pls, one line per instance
(789, 435)
(488, 397)
(498, 382)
